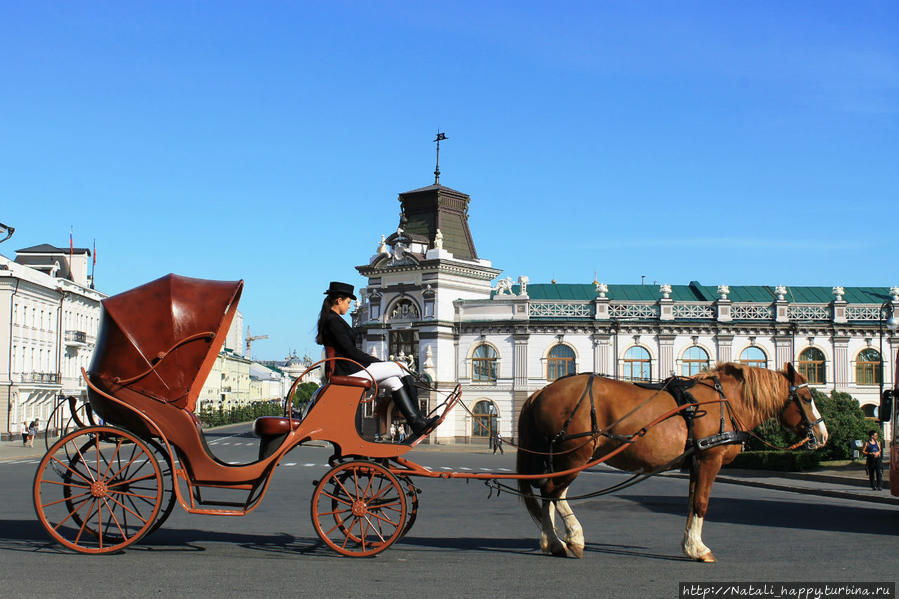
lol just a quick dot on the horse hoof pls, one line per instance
(559, 551)
(576, 551)
(707, 558)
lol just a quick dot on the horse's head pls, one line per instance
(800, 413)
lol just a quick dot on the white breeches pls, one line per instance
(388, 374)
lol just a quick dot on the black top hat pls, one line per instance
(340, 289)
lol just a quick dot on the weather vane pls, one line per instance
(440, 137)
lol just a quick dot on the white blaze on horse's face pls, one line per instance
(806, 403)
(820, 428)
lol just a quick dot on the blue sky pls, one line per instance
(725, 142)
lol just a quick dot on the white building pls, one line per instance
(429, 295)
(49, 317)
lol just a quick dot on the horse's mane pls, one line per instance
(764, 391)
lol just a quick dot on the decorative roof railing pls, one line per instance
(863, 313)
(752, 312)
(633, 310)
(561, 310)
(809, 312)
(695, 311)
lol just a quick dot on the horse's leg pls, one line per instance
(701, 478)
(549, 539)
(574, 534)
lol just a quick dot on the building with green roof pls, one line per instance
(433, 302)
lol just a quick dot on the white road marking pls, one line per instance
(290, 464)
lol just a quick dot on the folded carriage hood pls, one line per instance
(161, 339)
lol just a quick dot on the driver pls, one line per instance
(333, 331)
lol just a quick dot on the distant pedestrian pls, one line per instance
(874, 460)
(24, 434)
(32, 431)
(498, 443)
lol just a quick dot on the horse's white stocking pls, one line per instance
(574, 534)
(693, 545)
(549, 540)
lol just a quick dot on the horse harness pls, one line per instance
(678, 388)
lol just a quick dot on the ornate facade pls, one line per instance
(429, 300)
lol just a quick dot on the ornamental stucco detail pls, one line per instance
(619, 310)
(809, 312)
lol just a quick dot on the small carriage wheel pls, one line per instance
(359, 509)
(411, 502)
(98, 489)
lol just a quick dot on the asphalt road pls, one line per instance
(462, 545)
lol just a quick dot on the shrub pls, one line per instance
(219, 416)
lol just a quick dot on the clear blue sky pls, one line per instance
(725, 142)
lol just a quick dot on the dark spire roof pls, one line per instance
(438, 207)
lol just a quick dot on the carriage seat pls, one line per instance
(273, 426)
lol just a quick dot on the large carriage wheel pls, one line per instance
(359, 509)
(168, 480)
(98, 489)
(411, 502)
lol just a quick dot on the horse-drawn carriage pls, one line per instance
(107, 484)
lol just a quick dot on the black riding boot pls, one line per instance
(406, 399)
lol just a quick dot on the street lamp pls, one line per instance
(885, 411)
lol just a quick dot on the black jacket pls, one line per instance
(338, 334)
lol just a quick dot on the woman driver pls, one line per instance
(333, 331)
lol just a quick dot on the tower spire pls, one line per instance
(440, 137)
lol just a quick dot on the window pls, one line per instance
(695, 360)
(560, 362)
(483, 421)
(637, 365)
(483, 364)
(812, 367)
(753, 356)
(868, 367)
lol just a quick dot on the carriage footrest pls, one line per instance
(725, 438)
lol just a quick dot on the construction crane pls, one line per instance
(250, 340)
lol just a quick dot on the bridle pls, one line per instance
(808, 424)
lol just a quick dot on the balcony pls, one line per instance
(76, 338)
(47, 378)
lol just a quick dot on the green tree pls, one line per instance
(845, 422)
(303, 394)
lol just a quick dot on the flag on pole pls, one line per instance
(71, 247)
(95, 252)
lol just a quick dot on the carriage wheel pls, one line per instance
(98, 489)
(411, 502)
(359, 509)
(168, 479)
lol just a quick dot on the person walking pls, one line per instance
(32, 432)
(498, 443)
(874, 461)
(24, 434)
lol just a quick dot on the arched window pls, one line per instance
(483, 364)
(483, 421)
(812, 367)
(637, 365)
(868, 367)
(695, 360)
(870, 410)
(753, 356)
(559, 362)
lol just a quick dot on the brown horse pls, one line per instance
(619, 412)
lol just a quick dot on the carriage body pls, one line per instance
(156, 346)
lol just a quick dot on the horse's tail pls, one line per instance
(528, 462)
